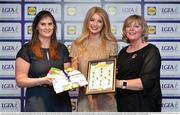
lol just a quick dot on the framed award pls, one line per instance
(101, 76)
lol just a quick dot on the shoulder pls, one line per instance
(24, 52)
(152, 48)
(111, 42)
(61, 45)
(25, 47)
(123, 50)
(74, 44)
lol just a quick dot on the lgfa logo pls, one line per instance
(9, 10)
(130, 10)
(152, 29)
(151, 10)
(9, 29)
(32, 10)
(7, 67)
(169, 48)
(169, 10)
(170, 86)
(10, 48)
(8, 86)
(170, 105)
(169, 67)
(9, 105)
(52, 10)
(169, 29)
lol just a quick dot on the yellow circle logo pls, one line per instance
(32, 11)
(112, 10)
(113, 29)
(71, 11)
(151, 10)
(71, 30)
(29, 29)
(152, 29)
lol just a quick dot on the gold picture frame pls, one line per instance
(101, 76)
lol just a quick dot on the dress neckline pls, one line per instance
(137, 50)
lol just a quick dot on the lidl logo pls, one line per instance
(29, 29)
(151, 11)
(152, 29)
(32, 11)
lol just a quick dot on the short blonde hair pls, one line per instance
(141, 21)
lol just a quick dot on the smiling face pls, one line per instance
(45, 27)
(134, 31)
(95, 24)
(135, 28)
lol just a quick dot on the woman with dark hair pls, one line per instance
(33, 62)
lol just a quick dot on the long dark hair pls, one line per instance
(35, 43)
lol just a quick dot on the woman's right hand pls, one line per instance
(46, 80)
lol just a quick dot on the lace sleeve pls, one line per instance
(150, 72)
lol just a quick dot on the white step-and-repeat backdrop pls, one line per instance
(163, 17)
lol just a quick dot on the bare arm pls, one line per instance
(67, 65)
(22, 79)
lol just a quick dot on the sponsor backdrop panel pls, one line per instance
(32, 9)
(170, 69)
(9, 49)
(76, 12)
(72, 30)
(10, 31)
(161, 31)
(170, 105)
(119, 11)
(163, 17)
(10, 11)
(10, 105)
(9, 88)
(7, 68)
(170, 87)
(168, 49)
(162, 11)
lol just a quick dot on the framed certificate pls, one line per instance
(101, 76)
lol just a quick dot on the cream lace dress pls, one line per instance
(101, 102)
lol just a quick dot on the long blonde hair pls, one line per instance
(105, 33)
